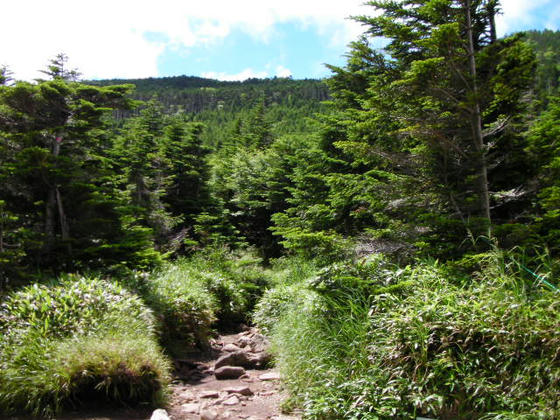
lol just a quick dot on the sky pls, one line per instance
(220, 39)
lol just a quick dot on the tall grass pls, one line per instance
(193, 296)
(84, 338)
(381, 342)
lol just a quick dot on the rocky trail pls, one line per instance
(233, 383)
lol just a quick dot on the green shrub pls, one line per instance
(370, 276)
(184, 306)
(193, 295)
(291, 270)
(276, 304)
(424, 346)
(82, 337)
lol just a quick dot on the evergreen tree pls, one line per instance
(458, 89)
(544, 152)
(56, 188)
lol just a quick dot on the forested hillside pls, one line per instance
(395, 228)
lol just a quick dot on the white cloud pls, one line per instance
(520, 14)
(243, 75)
(282, 71)
(106, 38)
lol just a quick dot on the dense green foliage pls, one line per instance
(194, 295)
(547, 47)
(383, 342)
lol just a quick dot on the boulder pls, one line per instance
(229, 372)
(259, 343)
(236, 358)
(260, 360)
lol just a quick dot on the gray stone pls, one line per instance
(208, 415)
(233, 400)
(244, 341)
(209, 394)
(241, 390)
(260, 360)
(271, 376)
(190, 408)
(259, 343)
(159, 414)
(229, 372)
(236, 358)
(231, 348)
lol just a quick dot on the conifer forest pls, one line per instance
(393, 230)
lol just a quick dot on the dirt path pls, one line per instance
(255, 395)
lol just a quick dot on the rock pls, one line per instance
(236, 358)
(260, 360)
(186, 396)
(241, 390)
(244, 359)
(229, 372)
(259, 343)
(244, 341)
(160, 414)
(271, 376)
(231, 401)
(209, 394)
(181, 363)
(231, 348)
(208, 415)
(190, 408)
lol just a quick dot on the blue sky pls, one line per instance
(229, 40)
(291, 50)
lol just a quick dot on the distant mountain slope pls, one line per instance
(192, 94)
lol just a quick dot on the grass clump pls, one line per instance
(183, 304)
(192, 296)
(279, 301)
(79, 340)
(288, 291)
(388, 343)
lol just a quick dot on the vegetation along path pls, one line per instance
(232, 380)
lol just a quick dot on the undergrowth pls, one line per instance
(74, 341)
(193, 296)
(383, 342)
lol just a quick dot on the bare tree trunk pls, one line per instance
(50, 219)
(65, 230)
(53, 206)
(491, 9)
(476, 126)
